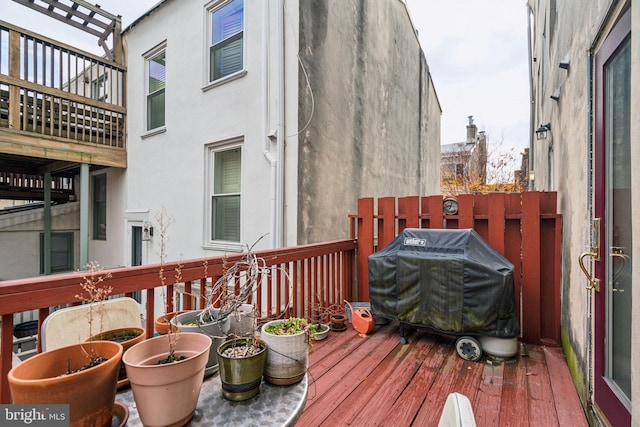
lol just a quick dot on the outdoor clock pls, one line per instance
(450, 205)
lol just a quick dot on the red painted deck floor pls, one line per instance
(375, 380)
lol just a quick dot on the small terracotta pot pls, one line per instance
(338, 322)
(90, 393)
(163, 322)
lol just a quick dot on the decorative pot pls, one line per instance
(125, 336)
(338, 322)
(321, 331)
(162, 322)
(217, 331)
(241, 375)
(167, 394)
(90, 393)
(287, 356)
(242, 322)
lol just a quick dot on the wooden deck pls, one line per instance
(374, 380)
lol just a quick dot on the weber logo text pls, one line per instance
(414, 241)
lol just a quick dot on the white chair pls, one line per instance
(457, 412)
(70, 325)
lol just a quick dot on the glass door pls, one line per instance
(613, 304)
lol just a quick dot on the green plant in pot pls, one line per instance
(288, 343)
(82, 375)
(241, 362)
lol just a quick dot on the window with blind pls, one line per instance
(226, 43)
(225, 195)
(156, 82)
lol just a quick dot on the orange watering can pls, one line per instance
(361, 319)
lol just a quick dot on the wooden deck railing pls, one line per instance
(320, 273)
(524, 227)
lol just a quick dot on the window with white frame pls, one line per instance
(155, 88)
(226, 20)
(225, 164)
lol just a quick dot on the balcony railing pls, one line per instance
(301, 277)
(60, 94)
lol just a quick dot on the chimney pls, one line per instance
(471, 130)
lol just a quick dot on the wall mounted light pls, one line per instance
(147, 231)
(541, 132)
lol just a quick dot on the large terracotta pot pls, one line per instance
(128, 337)
(167, 394)
(90, 393)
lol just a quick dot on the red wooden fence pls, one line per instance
(524, 227)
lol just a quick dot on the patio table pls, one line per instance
(273, 406)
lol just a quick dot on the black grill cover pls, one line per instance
(448, 280)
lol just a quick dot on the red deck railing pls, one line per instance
(320, 273)
(524, 227)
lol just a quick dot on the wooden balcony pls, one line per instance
(59, 106)
(375, 378)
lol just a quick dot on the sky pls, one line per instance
(477, 55)
(476, 51)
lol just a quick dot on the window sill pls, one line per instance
(224, 247)
(153, 132)
(224, 80)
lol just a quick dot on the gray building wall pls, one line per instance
(568, 31)
(375, 128)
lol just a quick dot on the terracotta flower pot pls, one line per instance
(163, 322)
(167, 394)
(90, 393)
(241, 376)
(125, 336)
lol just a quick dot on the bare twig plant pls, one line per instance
(96, 294)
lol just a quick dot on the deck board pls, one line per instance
(375, 380)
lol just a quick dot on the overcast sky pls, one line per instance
(476, 51)
(477, 54)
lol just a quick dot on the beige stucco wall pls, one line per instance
(562, 163)
(375, 126)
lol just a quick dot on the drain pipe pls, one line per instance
(531, 98)
(280, 129)
(266, 134)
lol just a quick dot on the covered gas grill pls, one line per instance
(450, 281)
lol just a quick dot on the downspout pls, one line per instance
(265, 125)
(280, 128)
(531, 97)
(277, 162)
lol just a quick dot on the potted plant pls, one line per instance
(127, 337)
(208, 323)
(241, 362)
(320, 331)
(163, 322)
(166, 372)
(288, 343)
(83, 375)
